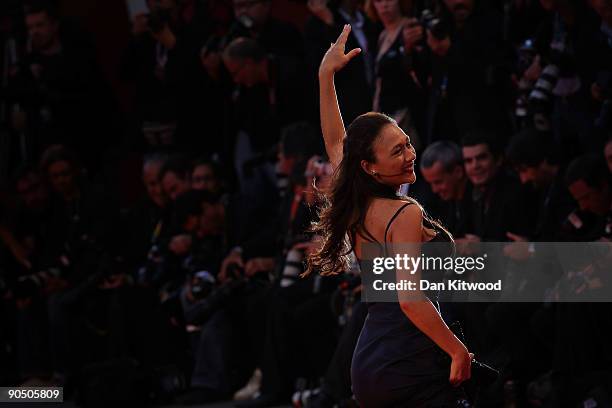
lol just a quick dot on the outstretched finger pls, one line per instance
(353, 53)
(341, 41)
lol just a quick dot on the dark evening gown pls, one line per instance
(394, 363)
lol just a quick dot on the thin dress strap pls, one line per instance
(399, 210)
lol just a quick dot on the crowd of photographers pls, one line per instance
(192, 293)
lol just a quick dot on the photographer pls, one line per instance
(80, 236)
(58, 92)
(589, 184)
(581, 361)
(161, 60)
(399, 83)
(569, 53)
(295, 312)
(298, 142)
(21, 246)
(212, 307)
(148, 223)
(533, 156)
(469, 66)
(270, 95)
(253, 20)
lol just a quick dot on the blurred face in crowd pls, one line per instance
(539, 176)
(480, 164)
(594, 200)
(245, 72)
(212, 220)
(608, 154)
(446, 184)
(43, 30)
(62, 178)
(257, 10)
(604, 9)
(204, 178)
(150, 178)
(460, 9)
(388, 11)
(173, 186)
(32, 191)
(395, 157)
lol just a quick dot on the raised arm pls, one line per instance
(407, 229)
(331, 119)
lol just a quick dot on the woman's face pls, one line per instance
(387, 10)
(394, 158)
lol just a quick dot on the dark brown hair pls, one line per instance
(343, 210)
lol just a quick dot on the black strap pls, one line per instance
(399, 210)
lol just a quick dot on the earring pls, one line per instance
(373, 172)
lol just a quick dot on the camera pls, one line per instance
(540, 98)
(202, 283)
(430, 21)
(293, 267)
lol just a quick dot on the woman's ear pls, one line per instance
(367, 167)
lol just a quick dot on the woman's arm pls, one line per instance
(405, 235)
(331, 118)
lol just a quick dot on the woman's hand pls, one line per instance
(461, 366)
(335, 58)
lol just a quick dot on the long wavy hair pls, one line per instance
(343, 210)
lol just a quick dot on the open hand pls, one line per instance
(335, 58)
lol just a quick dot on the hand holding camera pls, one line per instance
(413, 35)
(233, 261)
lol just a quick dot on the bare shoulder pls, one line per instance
(392, 206)
(384, 209)
(408, 224)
